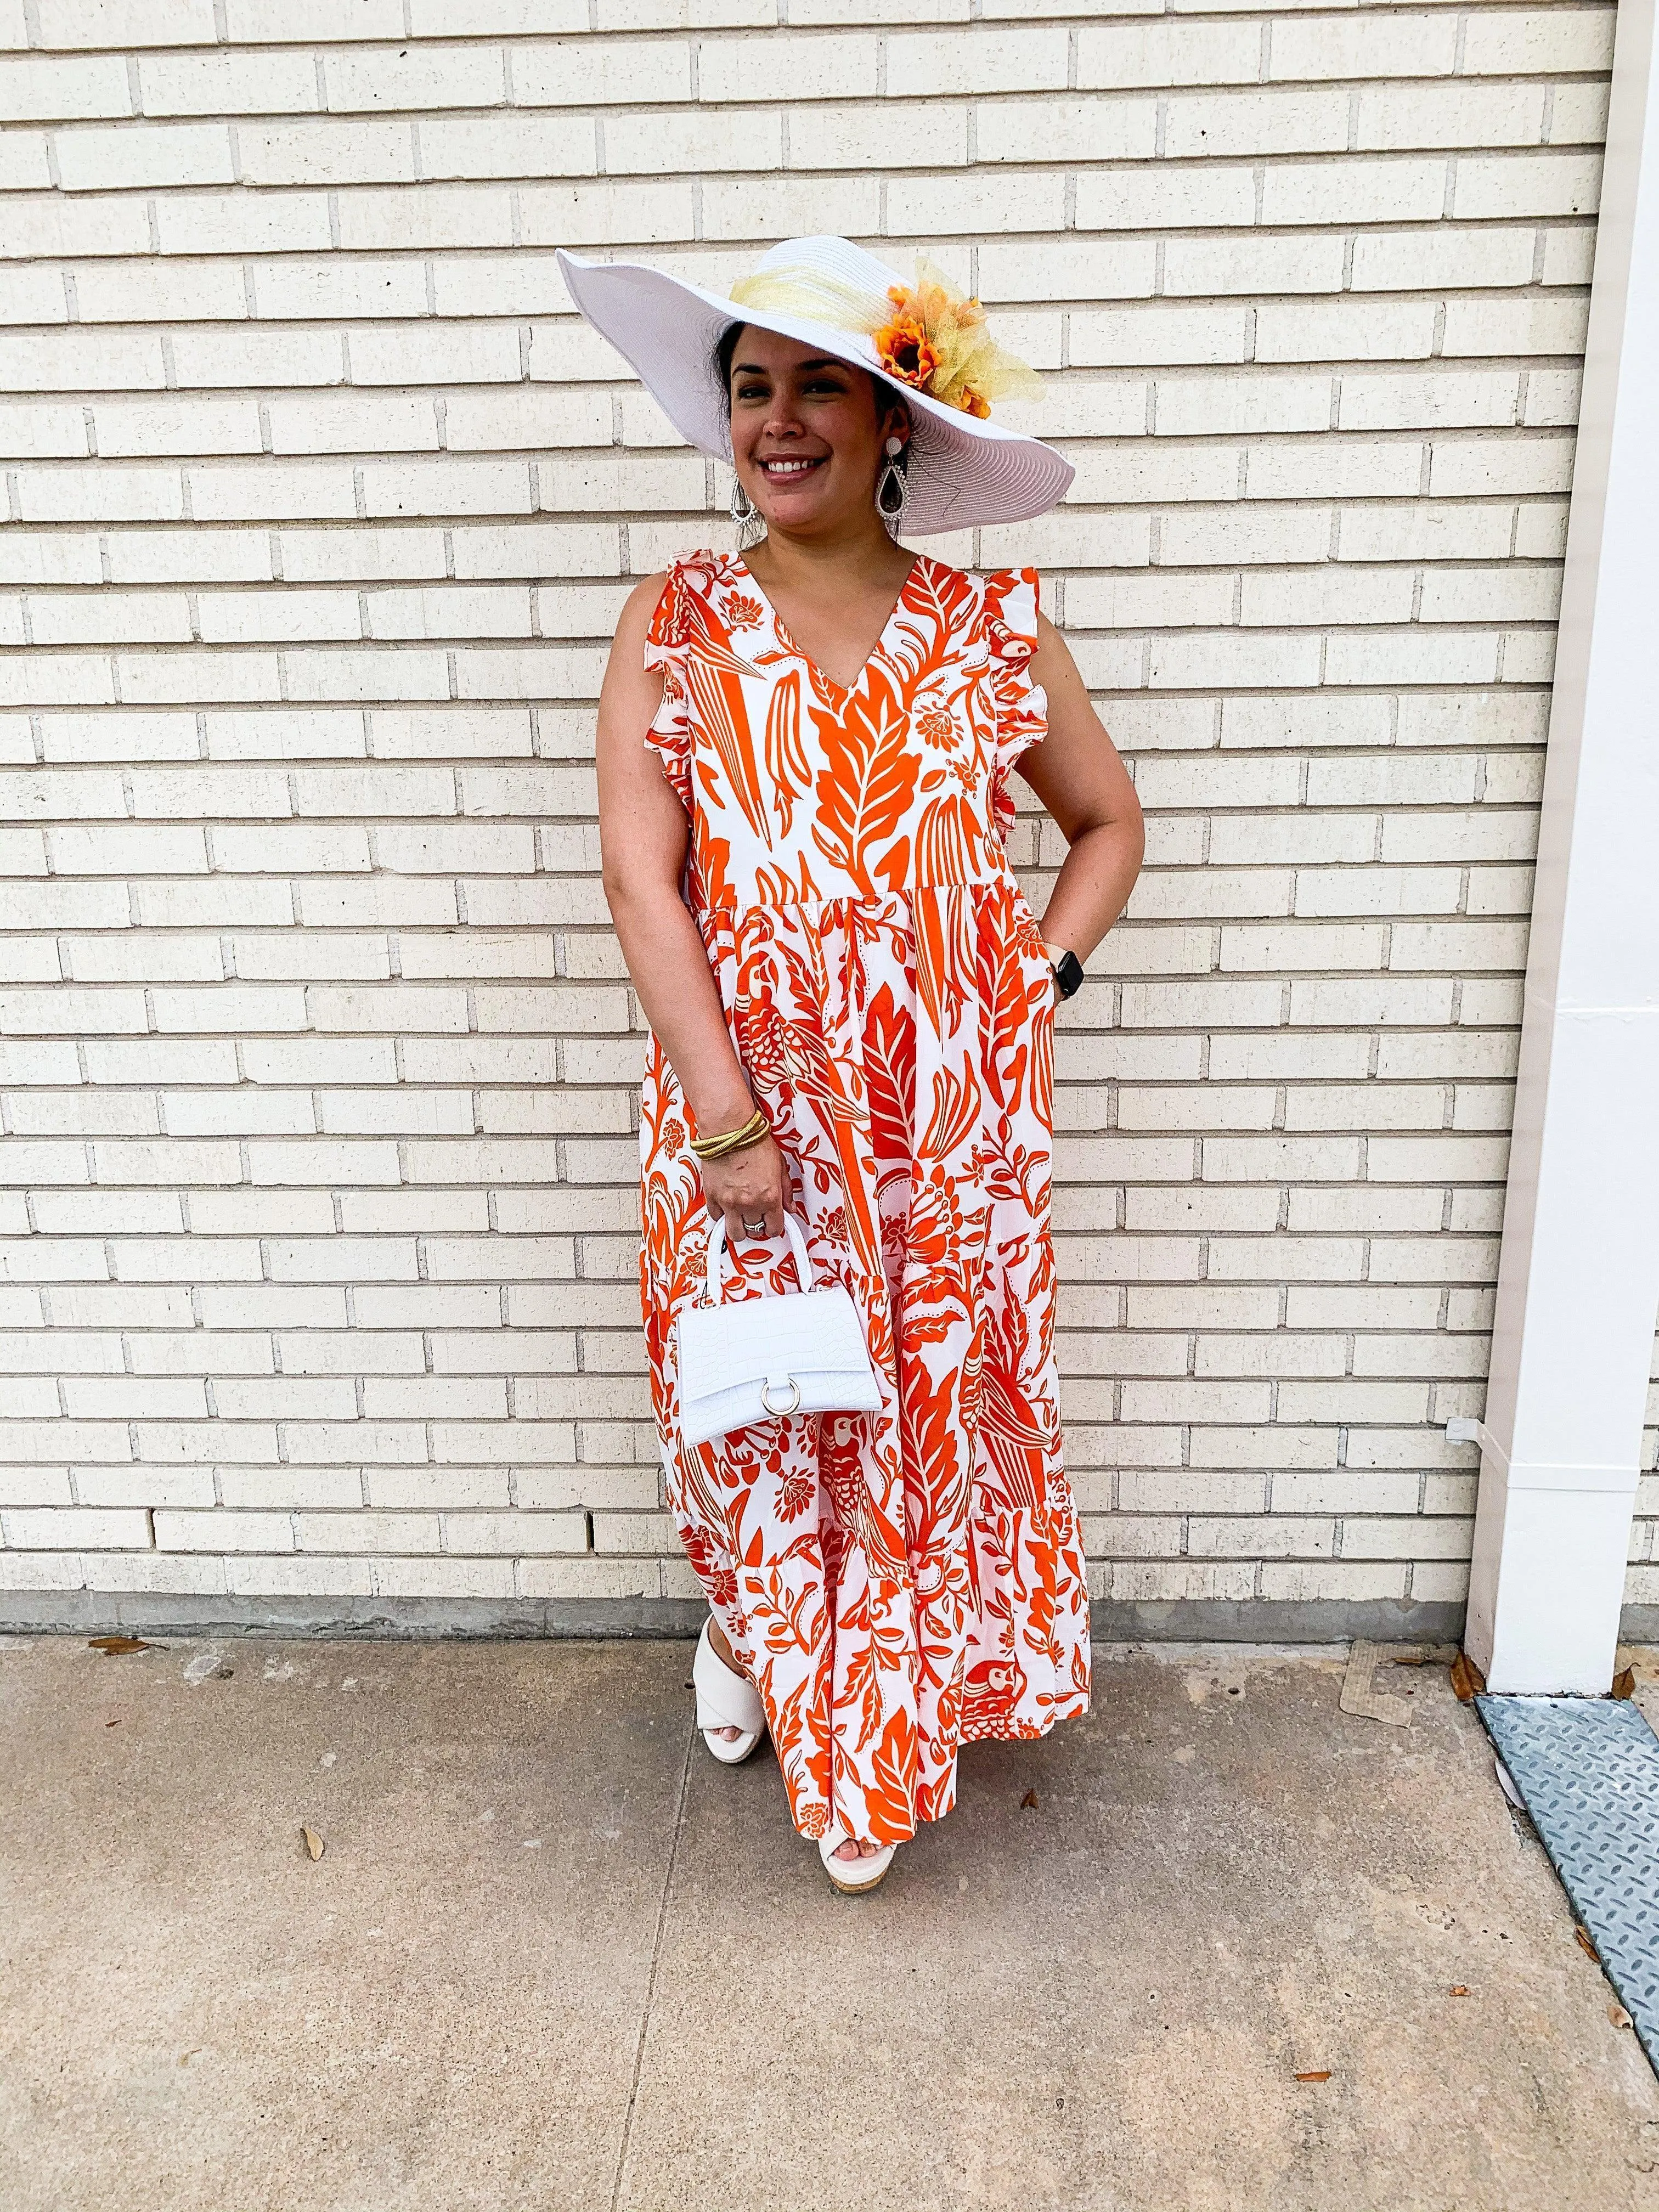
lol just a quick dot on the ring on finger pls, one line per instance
(753, 1228)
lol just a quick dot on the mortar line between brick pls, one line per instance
(651, 1978)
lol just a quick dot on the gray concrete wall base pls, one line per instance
(91, 1612)
(1320, 1621)
(153, 1613)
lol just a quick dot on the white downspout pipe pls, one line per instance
(1578, 1278)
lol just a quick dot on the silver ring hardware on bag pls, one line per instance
(779, 1412)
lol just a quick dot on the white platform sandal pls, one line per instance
(726, 1699)
(852, 1877)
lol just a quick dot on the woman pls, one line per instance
(803, 762)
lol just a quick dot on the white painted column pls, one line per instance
(1578, 1281)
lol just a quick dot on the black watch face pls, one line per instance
(1068, 973)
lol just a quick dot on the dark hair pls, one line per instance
(725, 353)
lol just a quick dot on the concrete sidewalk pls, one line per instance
(554, 1957)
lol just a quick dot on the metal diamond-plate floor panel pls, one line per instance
(1589, 1769)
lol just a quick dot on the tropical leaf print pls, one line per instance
(711, 882)
(890, 1066)
(939, 1474)
(949, 844)
(788, 773)
(890, 1793)
(945, 954)
(716, 698)
(1009, 1018)
(781, 887)
(903, 1581)
(865, 787)
(956, 1097)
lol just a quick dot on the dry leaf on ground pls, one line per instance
(1466, 1679)
(1460, 1989)
(1581, 1936)
(1624, 1683)
(1028, 1803)
(314, 1842)
(115, 1647)
(1325, 2076)
(1618, 2016)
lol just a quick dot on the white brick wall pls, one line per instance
(316, 1055)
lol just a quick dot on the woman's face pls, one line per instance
(807, 435)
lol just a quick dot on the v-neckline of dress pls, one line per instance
(842, 691)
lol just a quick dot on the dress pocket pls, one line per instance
(1030, 935)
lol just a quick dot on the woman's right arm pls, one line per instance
(643, 837)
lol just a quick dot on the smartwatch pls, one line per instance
(1068, 968)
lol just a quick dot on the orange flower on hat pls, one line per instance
(938, 342)
(904, 351)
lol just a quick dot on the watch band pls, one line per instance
(1068, 968)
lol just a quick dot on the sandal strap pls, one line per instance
(725, 1699)
(843, 1870)
(836, 1835)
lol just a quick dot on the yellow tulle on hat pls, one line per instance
(925, 334)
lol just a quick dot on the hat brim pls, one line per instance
(962, 471)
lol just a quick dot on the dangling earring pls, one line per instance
(892, 487)
(746, 515)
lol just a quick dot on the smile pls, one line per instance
(789, 472)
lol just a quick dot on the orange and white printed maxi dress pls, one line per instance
(901, 1582)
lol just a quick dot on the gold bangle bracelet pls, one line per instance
(737, 1144)
(732, 1140)
(742, 1145)
(724, 1136)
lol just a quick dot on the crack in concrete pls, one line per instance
(651, 1978)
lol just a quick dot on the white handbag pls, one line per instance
(760, 1359)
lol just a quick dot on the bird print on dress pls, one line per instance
(900, 1582)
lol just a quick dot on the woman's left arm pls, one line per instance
(1077, 776)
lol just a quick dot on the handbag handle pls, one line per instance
(717, 1252)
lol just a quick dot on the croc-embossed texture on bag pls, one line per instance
(762, 1359)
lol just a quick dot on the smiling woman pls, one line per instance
(820, 380)
(803, 754)
(811, 435)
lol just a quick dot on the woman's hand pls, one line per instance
(746, 1186)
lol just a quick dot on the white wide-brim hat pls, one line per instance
(962, 470)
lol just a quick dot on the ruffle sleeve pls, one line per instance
(1021, 705)
(666, 644)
